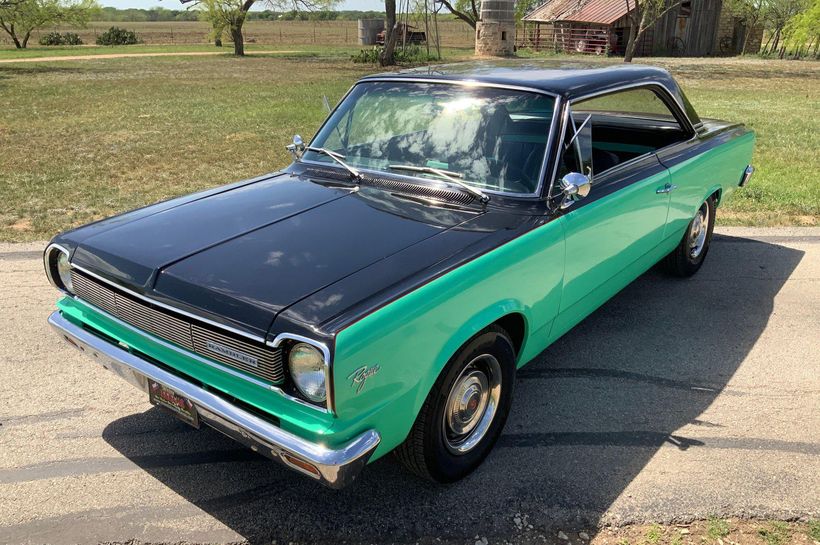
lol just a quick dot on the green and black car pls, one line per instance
(443, 227)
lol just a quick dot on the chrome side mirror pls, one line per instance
(575, 186)
(297, 149)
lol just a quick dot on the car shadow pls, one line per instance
(588, 415)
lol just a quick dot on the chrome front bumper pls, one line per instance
(335, 468)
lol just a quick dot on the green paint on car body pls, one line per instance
(552, 277)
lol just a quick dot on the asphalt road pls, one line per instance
(677, 399)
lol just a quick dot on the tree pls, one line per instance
(386, 55)
(21, 18)
(752, 12)
(780, 13)
(231, 14)
(466, 10)
(803, 30)
(643, 14)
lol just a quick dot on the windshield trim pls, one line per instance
(556, 117)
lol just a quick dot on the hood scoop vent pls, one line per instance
(442, 194)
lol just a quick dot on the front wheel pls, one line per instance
(687, 258)
(465, 412)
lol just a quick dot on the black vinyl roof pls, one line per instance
(569, 80)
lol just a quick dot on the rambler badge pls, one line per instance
(359, 376)
(232, 354)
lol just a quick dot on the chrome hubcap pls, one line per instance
(697, 232)
(472, 404)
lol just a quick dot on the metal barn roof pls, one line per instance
(604, 12)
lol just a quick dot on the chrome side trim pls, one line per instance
(46, 254)
(276, 342)
(198, 358)
(166, 306)
(335, 467)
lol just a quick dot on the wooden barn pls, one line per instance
(693, 28)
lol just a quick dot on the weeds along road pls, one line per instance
(677, 399)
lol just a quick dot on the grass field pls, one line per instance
(80, 140)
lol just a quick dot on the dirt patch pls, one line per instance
(702, 532)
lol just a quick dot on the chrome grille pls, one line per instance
(263, 362)
(252, 358)
(94, 293)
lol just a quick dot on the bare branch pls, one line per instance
(460, 14)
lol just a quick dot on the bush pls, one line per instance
(412, 54)
(72, 38)
(117, 36)
(367, 56)
(55, 38)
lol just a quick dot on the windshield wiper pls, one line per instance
(339, 158)
(447, 175)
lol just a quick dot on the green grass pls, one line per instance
(717, 528)
(653, 535)
(775, 533)
(814, 530)
(82, 140)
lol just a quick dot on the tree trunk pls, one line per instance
(390, 19)
(746, 35)
(386, 57)
(238, 39)
(632, 42)
(10, 31)
(25, 39)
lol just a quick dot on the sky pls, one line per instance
(174, 4)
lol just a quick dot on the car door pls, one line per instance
(623, 217)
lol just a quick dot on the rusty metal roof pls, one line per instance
(603, 12)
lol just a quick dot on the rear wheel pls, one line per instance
(687, 258)
(465, 412)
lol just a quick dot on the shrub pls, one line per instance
(52, 38)
(367, 56)
(72, 38)
(412, 54)
(117, 36)
(55, 38)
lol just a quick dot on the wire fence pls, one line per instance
(339, 33)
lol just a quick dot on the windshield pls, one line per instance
(491, 139)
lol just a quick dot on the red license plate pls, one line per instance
(178, 405)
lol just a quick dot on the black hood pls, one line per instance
(246, 253)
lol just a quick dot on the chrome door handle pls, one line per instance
(668, 188)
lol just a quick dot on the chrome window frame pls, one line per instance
(655, 86)
(557, 107)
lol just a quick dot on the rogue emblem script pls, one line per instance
(359, 376)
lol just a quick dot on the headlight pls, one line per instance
(58, 268)
(64, 271)
(307, 369)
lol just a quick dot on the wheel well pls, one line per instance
(515, 326)
(717, 194)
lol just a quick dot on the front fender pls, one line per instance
(413, 338)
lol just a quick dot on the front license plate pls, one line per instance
(178, 405)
